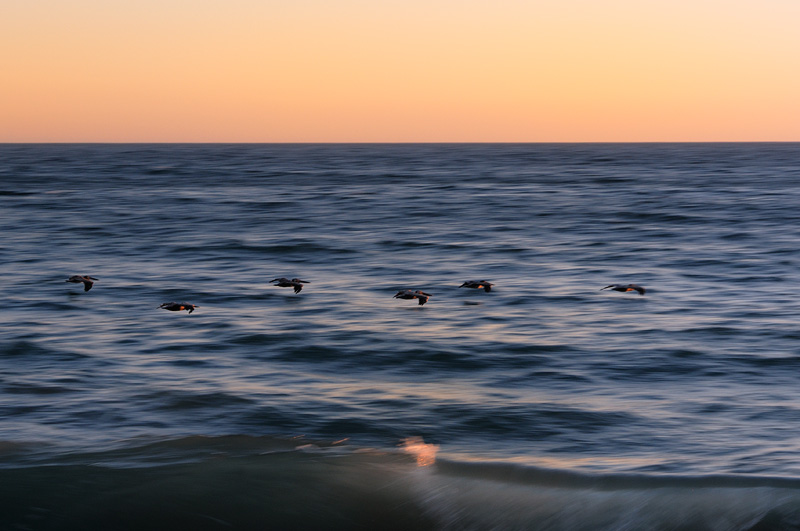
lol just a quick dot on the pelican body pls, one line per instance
(85, 279)
(625, 288)
(178, 306)
(295, 283)
(411, 294)
(477, 284)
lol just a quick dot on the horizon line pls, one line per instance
(323, 142)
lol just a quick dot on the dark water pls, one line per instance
(552, 404)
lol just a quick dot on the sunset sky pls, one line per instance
(399, 71)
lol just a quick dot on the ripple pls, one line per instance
(185, 400)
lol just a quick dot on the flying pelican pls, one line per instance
(625, 287)
(295, 283)
(411, 294)
(85, 279)
(476, 284)
(178, 306)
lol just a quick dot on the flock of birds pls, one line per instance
(297, 284)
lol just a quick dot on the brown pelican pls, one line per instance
(178, 306)
(295, 283)
(625, 287)
(85, 279)
(476, 284)
(411, 294)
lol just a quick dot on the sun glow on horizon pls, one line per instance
(357, 71)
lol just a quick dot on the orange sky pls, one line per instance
(399, 71)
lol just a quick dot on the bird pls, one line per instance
(85, 279)
(477, 284)
(625, 287)
(178, 306)
(295, 283)
(411, 294)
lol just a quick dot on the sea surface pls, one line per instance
(547, 403)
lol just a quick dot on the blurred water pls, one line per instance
(696, 378)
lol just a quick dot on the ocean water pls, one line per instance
(546, 403)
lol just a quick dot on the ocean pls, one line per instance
(547, 403)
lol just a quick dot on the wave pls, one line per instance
(35, 389)
(184, 400)
(377, 353)
(301, 247)
(257, 482)
(29, 350)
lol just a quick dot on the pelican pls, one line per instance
(477, 284)
(295, 283)
(178, 306)
(411, 294)
(85, 279)
(625, 287)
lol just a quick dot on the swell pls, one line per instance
(236, 482)
(300, 247)
(566, 479)
(33, 351)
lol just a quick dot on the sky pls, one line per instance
(399, 71)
